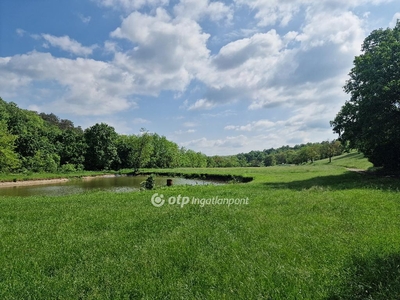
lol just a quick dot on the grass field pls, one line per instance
(308, 232)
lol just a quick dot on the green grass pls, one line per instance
(308, 232)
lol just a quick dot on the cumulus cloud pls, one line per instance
(201, 104)
(67, 44)
(90, 87)
(167, 53)
(197, 9)
(272, 12)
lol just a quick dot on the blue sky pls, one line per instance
(220, 77)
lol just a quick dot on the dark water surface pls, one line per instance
(116, 184)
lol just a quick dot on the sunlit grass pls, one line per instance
(308, 232)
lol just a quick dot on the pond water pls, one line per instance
(116, 184)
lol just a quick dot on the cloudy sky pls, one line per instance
(220, 77)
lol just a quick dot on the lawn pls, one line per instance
(315, 231)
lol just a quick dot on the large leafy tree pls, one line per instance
(71, 147)
(370, 120)
(143, 149)
(101, 149)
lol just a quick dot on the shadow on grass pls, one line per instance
(371, 278)
(348, 180)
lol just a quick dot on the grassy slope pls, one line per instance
(309, 232)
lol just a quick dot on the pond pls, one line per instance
(117, 184)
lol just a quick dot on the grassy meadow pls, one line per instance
(316, 231)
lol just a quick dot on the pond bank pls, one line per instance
(32, 182)
(204, 176)
(47, 181)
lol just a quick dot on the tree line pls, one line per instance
(299, 154)
(39, 142)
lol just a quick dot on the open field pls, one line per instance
(308, 232)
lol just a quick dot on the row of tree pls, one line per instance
(44, 143)
(35, 142)
(299, 154)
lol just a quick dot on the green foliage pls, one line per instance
(68, 168)
(369, 120)
(143, 149)
(101, 147)
(299, 154)
(8, 158)
(270, 160)
(149, 183)
(42, 162)
(71, 147)
(165, 153)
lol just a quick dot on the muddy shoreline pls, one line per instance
(46, 181)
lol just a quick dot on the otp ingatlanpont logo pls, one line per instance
(157, 200)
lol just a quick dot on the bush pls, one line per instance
(68, 168)
(149, 183)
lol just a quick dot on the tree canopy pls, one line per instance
(370, 120)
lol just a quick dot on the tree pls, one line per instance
(101, 149)
(8, 158)
(370, 120)
(71, 148)
(270, 160)
(143, 149)
(165, 153)
(125, 148)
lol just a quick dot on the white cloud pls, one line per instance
(67, 44)
(253, 126)
(111, 47)
(131, 5)
(344, 29)
(20, 32)
(84, 19)
(217, 146)
(201, 105)
(271, 12)
(179, 132)
(89, 87)
(167, 53)
(197, 9)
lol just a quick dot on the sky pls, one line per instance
(219, 77)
